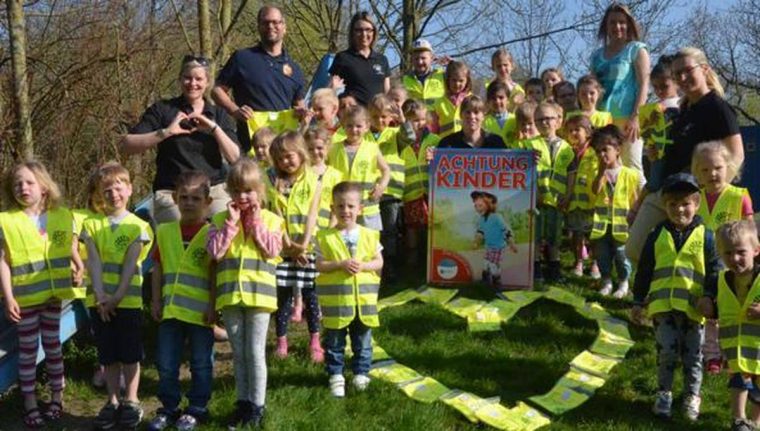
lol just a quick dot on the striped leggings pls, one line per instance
(40, 321)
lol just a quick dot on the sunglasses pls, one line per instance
(203, 61)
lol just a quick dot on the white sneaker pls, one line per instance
(338, 386)
(595, 273)
(578, 270)
(360, 382)
(691, 407)
(606, 287)
(622, 290)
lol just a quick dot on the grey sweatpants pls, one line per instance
(247, 330)
(678, 337)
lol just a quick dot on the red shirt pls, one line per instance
(188, 232)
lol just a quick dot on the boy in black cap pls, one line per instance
(675, 280)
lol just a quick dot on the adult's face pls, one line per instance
(362, 35)
(472, 120)
(271, 26)
(690, 76)
(194, 82)
(617, 26)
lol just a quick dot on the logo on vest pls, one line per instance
(121, 243)
(721, 217)
(198, 256)
(58, 238)
(695, 247)
(362, 166)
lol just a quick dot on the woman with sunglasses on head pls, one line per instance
(189, 133)
(364, 72)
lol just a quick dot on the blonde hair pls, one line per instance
(381, 103)
(552, 106)
(524, 112)
(734, 231)
(556, 70)
(52, 193)
(313, 134)
(699, 57)
(354, 112)
(110, 173)
(245, 175)
(264, 135)
(398, 87)
(286, 142)
(324, 95)
(453, 68)
(502, 53)
(715, 147)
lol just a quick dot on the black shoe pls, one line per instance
(554, 272)
(485, 276)
(257, 416)
(130, 414)
(242, 415)
(496, 281)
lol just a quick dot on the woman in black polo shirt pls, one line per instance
(472, 134)
(364, 72)
(190, 134)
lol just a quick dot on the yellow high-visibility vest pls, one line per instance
(449, 120)
(342, 295)
(295, 207)
(417, 167)
(40, 266)
(739, 336)
(552, 172)
(430, 91)
(363, 170)
(614, 210)
(330, 178)
(387, 141)
(727, 208)
(278, 121)
(582, 198)
(244, 276)
(186, 282)
(598, 119)
(679, 276)
(507, 133)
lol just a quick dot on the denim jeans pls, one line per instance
(607, 250)
(361, 345)
(390, 212)
(173, 334)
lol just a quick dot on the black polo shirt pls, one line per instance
(456, 140)
(181, 153)
(364, 76)
(262, 81)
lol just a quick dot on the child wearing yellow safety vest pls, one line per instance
(503, 65)
(349, 260)
(499, 121)
(39, 267)
(360, 160)
(424, 83)
(417, 157)
(721, 202)
(554, 157)
(182, 303)
(260, 144)
(676, 280)
(446, 111)
(117, 244)
(318, 144)
(738, 307)
(579, 203)
(324, 111)
(589, 92)
(245, 242)
(382, 113)
(294, 194)
(614, 190)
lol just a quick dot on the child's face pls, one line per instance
(457, 82)
(502, 67)
(608, 154)
(261, 148)
(550, 79)
(26, 189)
(355, 128)
(422, 61)
(418, 121)
(346, 102)
(547, 122)
(577, 135)
(325, 112)
(381, 120)
(116, 196)
(712, 173)
(566, 98)
(398, 97)
(499, 102)
(681, 210)
(664, 88)
(472, 120)
(534, 93)
(192, 202)
(528, 127)
(588, 95)
(289, 162)
(347, 207)
(739, 256)
(247, 199)
(481, 206)
(318, 151)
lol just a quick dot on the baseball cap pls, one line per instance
(482, 194)
(422, 45)
(680, 182)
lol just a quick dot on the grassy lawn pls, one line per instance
(524, 359)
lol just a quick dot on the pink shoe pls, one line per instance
(584, 252)
(578, 270)
(714, 366)
(282, 347)
(595, 273)
(317, 353)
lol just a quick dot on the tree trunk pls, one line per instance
(204, 28)
(225, 20)
(409, 20)
(17, 27)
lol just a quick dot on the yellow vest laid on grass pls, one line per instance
(615, 210)
(739, 336)
(244, 277)
(341, 295)
(417, 167)
(40, 266)
(185, 271)
(430, 91)
(583, 197)
(363, 170)
(552, 172)
(112, 247)
(727, 208)
(330, 178)
(679, 276)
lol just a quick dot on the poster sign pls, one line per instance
(481, 217)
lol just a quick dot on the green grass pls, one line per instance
(525, 358)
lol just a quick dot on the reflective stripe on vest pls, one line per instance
(449, 120)
(330, 178)
(584, 178)
(388, 144)
(507, 133)
(433, 88)
(295, 207)
(40, 266)
(615, 211)
(727, 208)
(244, 277)
(678, 277)
(186, 273)
(278, 121)
(552, 172)
(739, 336)
(416, 168)
(363, 170)
(341, 295)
